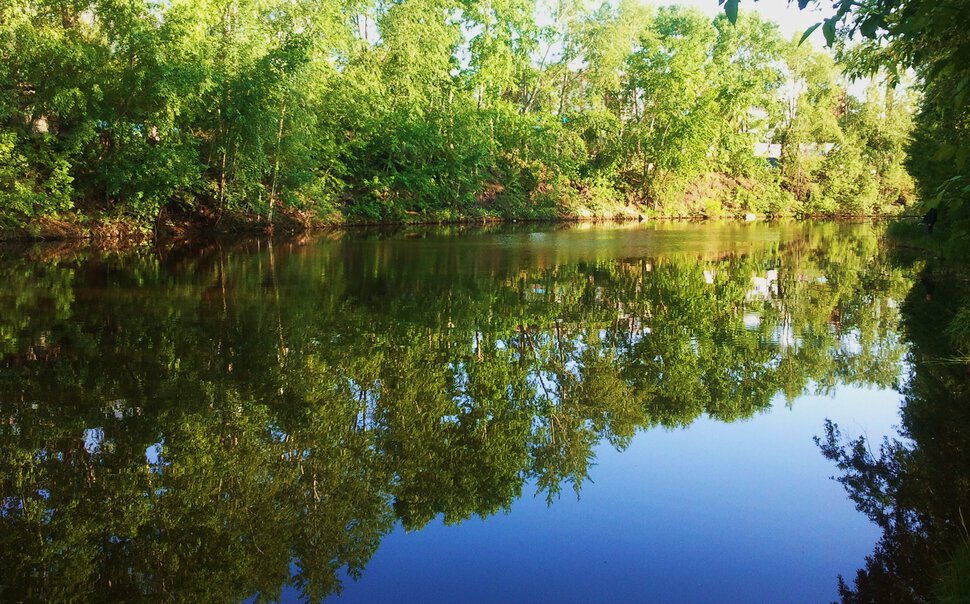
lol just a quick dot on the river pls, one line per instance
(527, 413)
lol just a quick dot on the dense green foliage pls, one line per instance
(425, 109)
(928, 38)
(183, 427)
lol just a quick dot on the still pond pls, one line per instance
(528, 413)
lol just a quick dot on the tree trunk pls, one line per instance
(276, 168)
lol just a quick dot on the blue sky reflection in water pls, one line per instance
(741, 512)
(261, 416)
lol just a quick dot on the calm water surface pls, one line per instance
(565, 414)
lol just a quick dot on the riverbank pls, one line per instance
(112, 231)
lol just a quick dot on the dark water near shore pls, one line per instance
(535, 413)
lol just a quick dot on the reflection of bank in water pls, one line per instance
(423, 378)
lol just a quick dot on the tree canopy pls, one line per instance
(425, 109)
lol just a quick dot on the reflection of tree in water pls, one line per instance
(188, 429)
(917, 490)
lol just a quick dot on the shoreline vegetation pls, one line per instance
(117, 119)
(117, 234)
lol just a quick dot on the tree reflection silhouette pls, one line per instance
(916, 488)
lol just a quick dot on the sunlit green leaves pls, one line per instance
(414, 110)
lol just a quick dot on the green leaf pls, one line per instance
(869, 26)
(959, 99)
(960, 93)
(956, 203)
(961, 157)
(809, 32)
(944, 152)
(731, 10)
(938, 70)
(828, 30)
